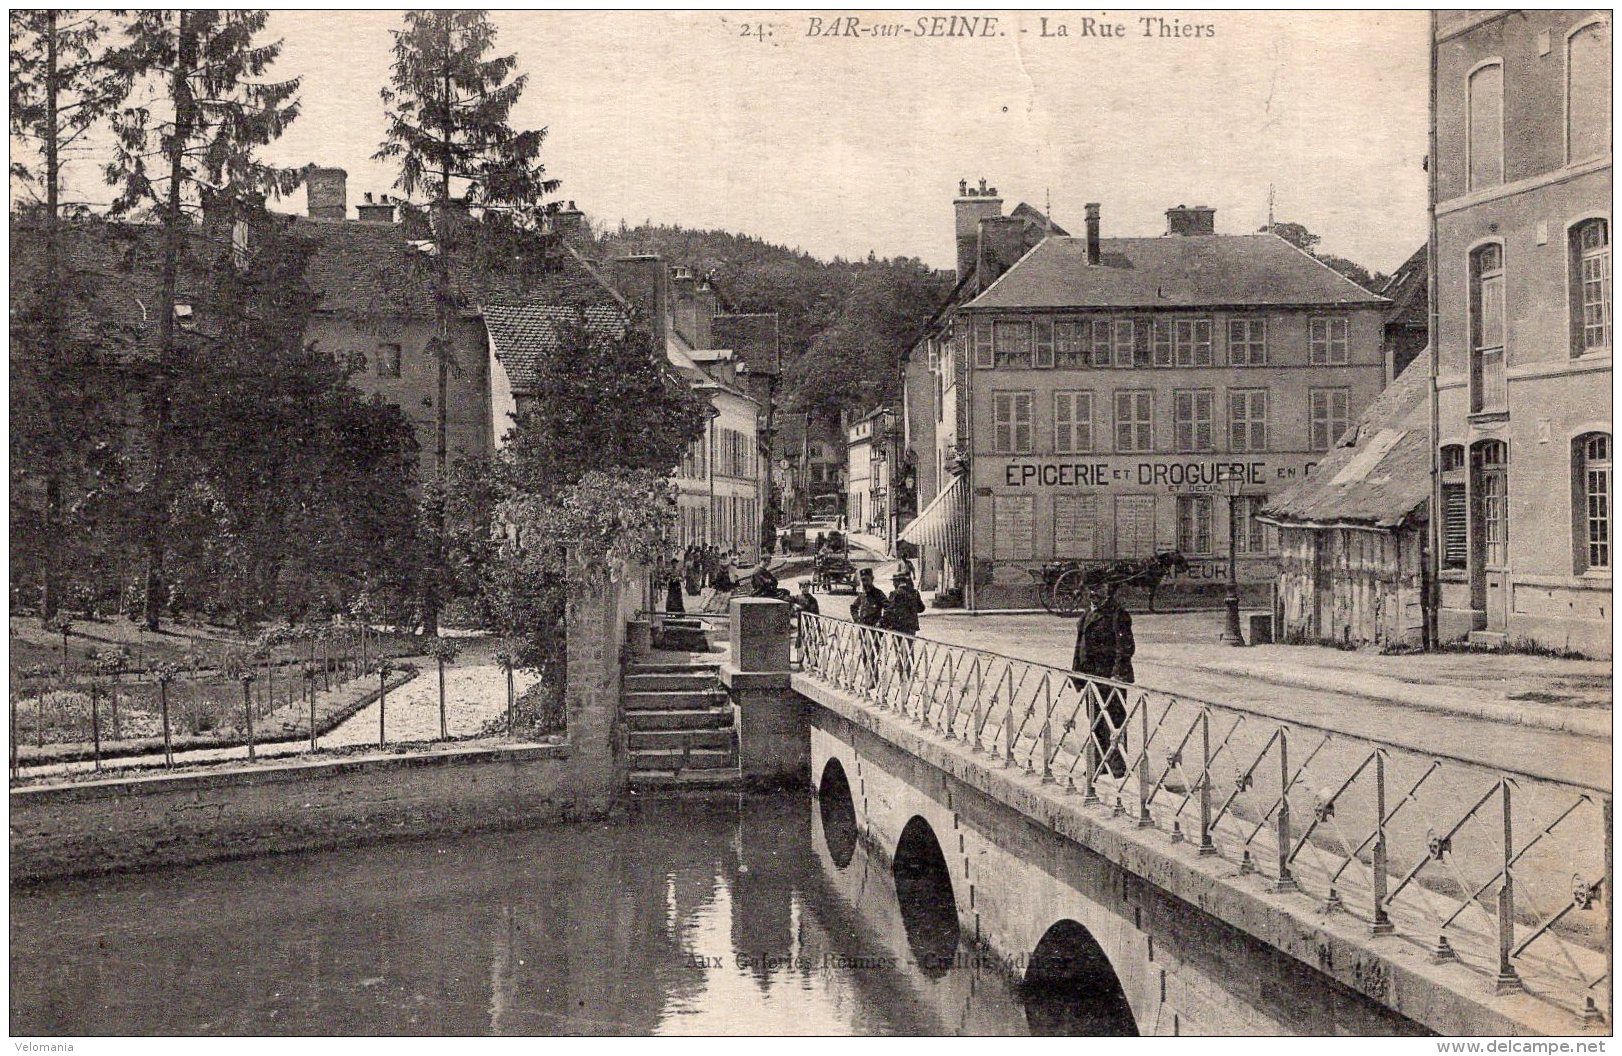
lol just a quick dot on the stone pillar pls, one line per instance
(592, 697)
(774, 731)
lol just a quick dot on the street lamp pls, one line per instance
(1235, 482)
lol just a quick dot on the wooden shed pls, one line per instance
(1352, 533)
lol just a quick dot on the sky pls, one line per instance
(845, 145)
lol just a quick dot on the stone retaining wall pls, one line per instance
(144, 822)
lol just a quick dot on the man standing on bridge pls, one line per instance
(868, 611)
(1104, 649)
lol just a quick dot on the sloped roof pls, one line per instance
(1407, 291)
(522, 334)
(111, 282)
(1382, 478)
(363, 268)
(1035, 216)
(1172, 271)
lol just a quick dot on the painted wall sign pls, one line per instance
(1185, 477)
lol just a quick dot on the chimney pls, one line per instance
(379, 211)
(684, 307)
(327, 191)
(972, 206)
(569, 224)
(1002, 242)
(709, 306)
(1191, 220)
(1095, 254)
(644, 281)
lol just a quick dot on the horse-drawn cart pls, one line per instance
(832, 567)
(1065, 585)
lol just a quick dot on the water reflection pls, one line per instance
(923, 886)
(689, 918)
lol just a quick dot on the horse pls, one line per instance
(1147, 570)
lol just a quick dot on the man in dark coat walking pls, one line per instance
(1104, 649)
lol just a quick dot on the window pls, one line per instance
(1075, 526)
(388, 361)
(1101, 343)
(1328, 414)
(1591, 292)
(1247, 419)
(1044, 342)
(1252, 536)
(934, 355)
(1012, 342)
(1588, 92)
(1011, 416)
(1191, 342)
(1013, 527)
(1485, 144)
(1327, 341)
(1247, 342)
(1487, 328)
(1593, 486)
(1455, 509)
(1072, 422)
(983, 358)
(1492, 501)
(1162, 344)
(1192, 413)
(1134, 421)
(1125, 341)
(1072, 341)
(1194, 524)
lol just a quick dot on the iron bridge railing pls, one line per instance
(1505, 872)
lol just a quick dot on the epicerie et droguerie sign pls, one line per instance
(1169, 475)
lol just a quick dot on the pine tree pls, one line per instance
(448, 105)
(199, 107)
(60, 90)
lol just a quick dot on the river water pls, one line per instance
(689, 917)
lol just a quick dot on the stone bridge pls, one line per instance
(1115, 857)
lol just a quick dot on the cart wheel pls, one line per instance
(1068, 596)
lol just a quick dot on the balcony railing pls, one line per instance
(1506, 872)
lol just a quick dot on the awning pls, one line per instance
(943, 524)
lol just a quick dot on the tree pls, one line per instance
(201, 108)
(448, 107)
(853, 363)
(298, 490)
(605, 400)
(60, 90)
(1295, 234)
(1298, 236)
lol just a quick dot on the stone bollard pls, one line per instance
(760, 634)
(774, 733)
(639, 638)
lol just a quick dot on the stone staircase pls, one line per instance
(680, 727)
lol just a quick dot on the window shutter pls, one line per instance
(982, 344)
(1455, 541)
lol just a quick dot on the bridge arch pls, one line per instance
(1071, 988)
(838, 809)
(923, 885)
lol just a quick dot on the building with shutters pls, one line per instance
(1113, 388)
(1521, 281)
